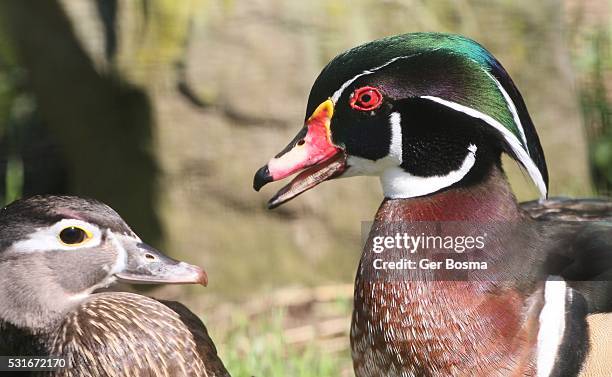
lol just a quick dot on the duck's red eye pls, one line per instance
(366, 99)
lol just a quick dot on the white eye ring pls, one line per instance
(74, 236)
(48, 239)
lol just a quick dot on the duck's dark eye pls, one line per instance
(366, 98)
(73, 235)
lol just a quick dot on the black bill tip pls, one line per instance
(262, 177)
(275, 201)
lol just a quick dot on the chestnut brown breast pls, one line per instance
(406, 324)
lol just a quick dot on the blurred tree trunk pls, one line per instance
(103, 126)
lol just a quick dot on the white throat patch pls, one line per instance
(398, 183)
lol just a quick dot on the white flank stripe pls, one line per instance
(514, 142)
(398, 183)
(552, 325)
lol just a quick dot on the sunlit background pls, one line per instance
(164, 109)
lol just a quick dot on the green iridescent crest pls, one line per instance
(451, 70)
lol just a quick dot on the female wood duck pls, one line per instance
(430, 114)
(55, 252)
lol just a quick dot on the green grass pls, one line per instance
(259, 348)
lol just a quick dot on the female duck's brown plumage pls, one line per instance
(56, 251)
(431, 114)
(125, 334)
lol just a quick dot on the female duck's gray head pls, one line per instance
(424, 111)
(57, 250)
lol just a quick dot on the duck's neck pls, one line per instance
(434, 228)
(490, 200)
(31, 303)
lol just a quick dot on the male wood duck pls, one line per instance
(55, 252)
(431, 114)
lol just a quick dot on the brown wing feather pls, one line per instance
(206, 347)
(564, 209)
(124, 334)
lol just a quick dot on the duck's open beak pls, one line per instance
(311, 151)
(146, 265)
